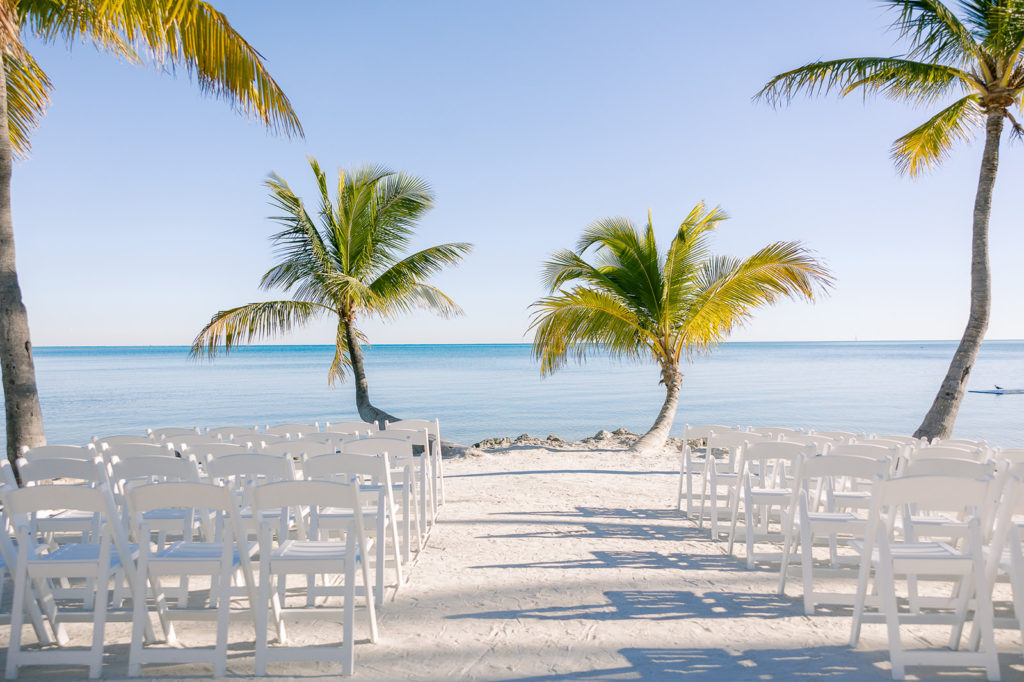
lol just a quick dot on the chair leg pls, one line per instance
(807, 566)
(17, 611)
(348, 615)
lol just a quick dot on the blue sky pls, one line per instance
(142, 210)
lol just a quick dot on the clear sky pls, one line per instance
(142, 210)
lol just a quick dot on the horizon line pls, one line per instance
(495, 343)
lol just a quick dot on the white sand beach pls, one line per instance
(569, 563)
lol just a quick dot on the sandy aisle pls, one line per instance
(565, 565)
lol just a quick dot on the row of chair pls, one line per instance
(886, 508)
(246, 519)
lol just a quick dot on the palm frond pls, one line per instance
(248, 323)
(581, 321)
(935, 32)
(689, 248)
(998, 24)
(28, 95)
(893, 77)
(729, 290)
(172, 33)
(299, 246)
(929, 144)
(342, 361)
(405, 276)
(628, 261)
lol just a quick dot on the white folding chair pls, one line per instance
(769, 479)
(112, 441)
(822, 444)
(224, 557)
(690, 465)
(373, 472)
(96, 561)
(1005, 555)
(125, 451)
(421, 449)
(305, 556)
(720, 472)
(437, 460)
(965, 568)
(240, 472)
(838, 436)
(69, 471)
(405, 472)
(819, 516)
(948, 451)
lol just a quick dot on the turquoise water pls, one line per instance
(495, 390)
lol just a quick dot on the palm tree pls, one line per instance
(170, 33)
(976, 55)
(349, 265)
(637, 302)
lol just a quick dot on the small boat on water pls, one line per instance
(999, 390)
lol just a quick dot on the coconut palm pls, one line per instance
(977, 55)
(346, 264)
(637, 302)
(165, 33)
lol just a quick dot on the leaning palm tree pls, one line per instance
(978, 55)
(637, 302)
(347, 264)
(166, 33)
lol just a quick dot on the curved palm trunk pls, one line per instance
(656, 437)
(938, 422)
(21, 398)
(367, 412)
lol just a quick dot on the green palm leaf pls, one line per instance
(28, 95)
(929, 144)
(253, 322)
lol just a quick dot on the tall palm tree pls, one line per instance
(637, 302)
(165, 33)
(347, 264)
(976, 54)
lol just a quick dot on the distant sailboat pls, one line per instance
(999, 390)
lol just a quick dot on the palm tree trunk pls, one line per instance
(367, 412)
(656, 437)
(938, 423)
(21, 398)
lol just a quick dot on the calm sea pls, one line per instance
(496, 390)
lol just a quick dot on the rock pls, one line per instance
(603, 435)
(524, 438)
(623, 431)
(555, 439)
(493, 443)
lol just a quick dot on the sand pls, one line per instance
(571, 564)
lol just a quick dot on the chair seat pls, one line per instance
(915, 550)
(345, 512)
(75, 552)
(309, 550)
(844, 517)
(183, 551)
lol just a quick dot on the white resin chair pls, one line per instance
(1011, 455)
(1005, 555)
(240, 472)
(770, 474)
(889, 558)
(905, 440)
(205, 452)
(310, 555)
(856, 493)
(191, 441)
(405, 471)
(220, 557)
(433, 428)
(96, 561)
(126, 474)
(819, 516)
(423, 451)
(719, 472)
(373, 473)
(71, 472)
(690, 464)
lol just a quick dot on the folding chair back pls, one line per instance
(292, 431)
(234, 434)
(128, 450)
(87, 452)
(171, 432)
(948, 451)
(362, 428)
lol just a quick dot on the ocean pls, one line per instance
(479, 391)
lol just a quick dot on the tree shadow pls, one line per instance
(656, 605)
(605, 513)
(655, 665)
(621, 531)
(639, 560)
